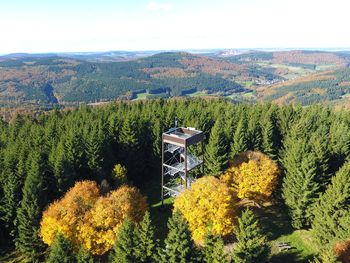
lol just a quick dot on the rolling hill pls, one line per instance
(67, 80)
(326, 86)
(72, 78)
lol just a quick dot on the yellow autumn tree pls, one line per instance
(208, 207)
(99, 229)
(65, 214)
(119, 174)
(87, 219)
(252, 175)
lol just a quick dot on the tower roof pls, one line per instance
(182, 136)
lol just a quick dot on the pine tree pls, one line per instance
(332, 211)
(240, 140)
(84, 256)
(252, 246)
(123, 250)
(145, 243)
(216, 151)
(30, 210)
(61, 251)
(179, 246)
(213, 251)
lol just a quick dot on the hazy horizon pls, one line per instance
(329, 49)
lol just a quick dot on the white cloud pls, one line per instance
(155, 6)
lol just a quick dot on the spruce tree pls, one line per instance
(240, 140)
(74, 151)
(30, 210)
(63, 169)
(94, 151)
(179, 246)
(11, 182)
(269, 137)
(300, 190)
(131, 147)
(254, 131)
(252, 246)
(216, 150)
(319, 141)
(332, 212)
(213, 251)
(61, 251)
(300, 186)
(84, 256)
(339, 144)
(123, 249)
(145, 242)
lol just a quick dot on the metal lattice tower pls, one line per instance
(178, 161)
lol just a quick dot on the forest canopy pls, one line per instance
(42, 157)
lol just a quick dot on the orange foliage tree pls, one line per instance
(66, 214)
(208, 207)
(342, 250)
(252, 175)
(98, 230)
(87, 219)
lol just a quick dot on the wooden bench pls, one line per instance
(284, 246)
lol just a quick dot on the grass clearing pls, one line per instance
(302, 247)
(141, 96)
(198, 94)
(275, 222)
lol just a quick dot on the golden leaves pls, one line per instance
(86, 218)
(207, 207)
(254, 179)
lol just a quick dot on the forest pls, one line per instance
(83, 185)
(317, 88)
(46, 80)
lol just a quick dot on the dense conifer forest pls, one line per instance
(80, 164)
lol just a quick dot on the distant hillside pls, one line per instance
(71, 78)
(65, 80)
(328, 86)
(293, 64)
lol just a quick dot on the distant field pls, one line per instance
(198, 94)
(328, 86)
(141, 96)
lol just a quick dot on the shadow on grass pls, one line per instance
(289, 256)
(159, 214)
(274, 221)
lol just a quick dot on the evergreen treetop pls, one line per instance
(61, 251)
(252, 245)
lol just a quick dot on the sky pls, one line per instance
(40, 26)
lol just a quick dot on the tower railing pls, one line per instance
(178, 161)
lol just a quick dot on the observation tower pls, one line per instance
(179, 162)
